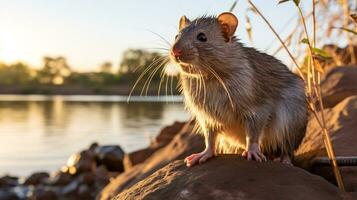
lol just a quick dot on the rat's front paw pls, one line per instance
(198, 157)
(253, 152)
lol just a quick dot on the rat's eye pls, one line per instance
(202, 37)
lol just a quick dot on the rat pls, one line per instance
(249, 98)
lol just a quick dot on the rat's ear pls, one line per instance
(183, 22)
(228, 23)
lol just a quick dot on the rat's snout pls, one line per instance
(176, 51)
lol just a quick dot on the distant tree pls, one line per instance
(134, 61)
(55, 70)
(106, 67)
(17, 73)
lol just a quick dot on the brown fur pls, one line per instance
(263, 99)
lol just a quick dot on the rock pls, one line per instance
(101, 175)
(93, 146)
(341, 124)
(81, 162)
(182, 145)
(43, 193)
(36, 178)
(340, 56)
(8, 181)
(84, 193)
(231, 177)
(165, 136)
(137, 157)
(8, 194)
(87, 178)
(339, 83)
(59, 178)
(111, 156)
(168, 133)
(71, 189)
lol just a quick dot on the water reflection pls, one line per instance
(41, 132)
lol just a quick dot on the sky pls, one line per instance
(89, 32)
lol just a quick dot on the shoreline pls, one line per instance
(82, 90)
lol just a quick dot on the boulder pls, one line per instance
(111, 156)
(168, 133)
(81, 162)
(71, 189)
(341, 125)
(43, 193)
(340, 56)
(231, 177)
(165, 136)
(87, 178)
(182, 145)
(84, 193)
(59, 178)
(7, 194)
(36, 178)
(101, 175)
(8, 181)
(338, 84)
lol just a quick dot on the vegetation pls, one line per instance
(56, 72)
(338, 24)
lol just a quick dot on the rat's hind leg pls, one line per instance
(285, 159)
(209, 151)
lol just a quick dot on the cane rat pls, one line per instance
(245, 96)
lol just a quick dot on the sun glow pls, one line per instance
(10, 49)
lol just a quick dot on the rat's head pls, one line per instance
(203, 42)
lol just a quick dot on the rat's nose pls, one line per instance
(176, 52)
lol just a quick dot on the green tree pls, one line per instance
(106, 67)
(134, 61)
(55, 70)
(17, 73)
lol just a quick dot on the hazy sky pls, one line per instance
(89, 32)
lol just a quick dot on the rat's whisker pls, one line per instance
(167, 80)
(152, 74)
(139, 78)
(158, 48)
(162, 65)
(171, 82)
(221, 82)
(155, 65)
(162, 78)
(161, 37)
(204, 87)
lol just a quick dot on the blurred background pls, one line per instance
(67, 68)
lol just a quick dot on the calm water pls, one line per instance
(41, 132)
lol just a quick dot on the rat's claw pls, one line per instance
(198, 158)
(254, 155)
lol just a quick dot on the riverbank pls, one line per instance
(84, 90)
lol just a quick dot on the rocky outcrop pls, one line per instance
(341, 123)
(165, 136)
(340, 56)
(183, 144)
(231, 177)
(83, 177)
(339, 83)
